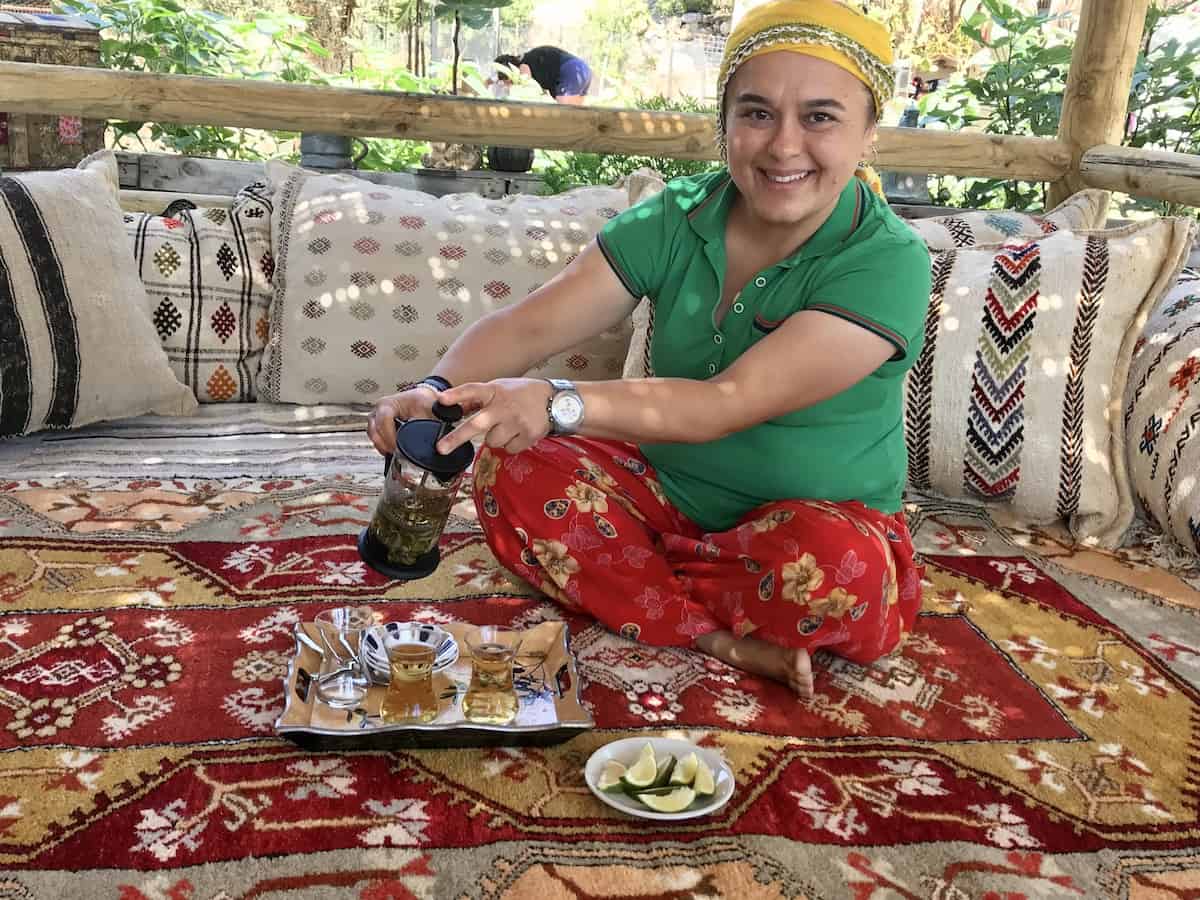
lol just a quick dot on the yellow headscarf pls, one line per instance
(825, 29)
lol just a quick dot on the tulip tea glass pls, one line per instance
(343, 681)
(411, 651)
(491, 698)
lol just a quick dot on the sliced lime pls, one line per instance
(643, 772)
(685, 770)
(663, 771)
(610, 778)
(704, 784)
(677, 799)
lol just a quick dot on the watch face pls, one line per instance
(568, 409)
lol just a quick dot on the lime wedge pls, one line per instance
(663, 772)
(674, 801)
(685, 770)
(704, 784)
(643, 772)
(610, 778)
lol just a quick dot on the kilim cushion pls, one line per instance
(1084, 210)
(208, 279)
(76, 345)
(1016, 395)
(1162, 413)
(374, 283)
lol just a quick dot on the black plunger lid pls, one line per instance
(417, 439)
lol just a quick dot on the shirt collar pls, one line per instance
(709, 215)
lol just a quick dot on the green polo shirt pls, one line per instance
(863, 265)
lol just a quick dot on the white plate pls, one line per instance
(627, 751)
(373, 652)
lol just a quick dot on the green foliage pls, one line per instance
(935, 33)
(471, 13)
(679, 7)
(465, 13)
(166, 37)
(1164, 101)
(517, 16)
(1020, 93)
(568, 170)
(613, 29)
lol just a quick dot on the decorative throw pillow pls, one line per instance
(76, 345)
(207, 274)
(1016, 396)
(1162, 413)
(373, 284)
(639, 185)
(1087, 209)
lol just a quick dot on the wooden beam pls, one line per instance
(1154, 174)
(248, 103)
(155, 202)
(179, 99)
(971, 153)
(1096, 99)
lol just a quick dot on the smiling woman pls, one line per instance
(747, 501)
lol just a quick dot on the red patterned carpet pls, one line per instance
(1036, 737)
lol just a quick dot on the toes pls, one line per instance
(802, 675)
(803, 687)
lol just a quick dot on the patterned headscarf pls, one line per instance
(825, 29)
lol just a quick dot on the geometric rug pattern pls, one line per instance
(1036, 736)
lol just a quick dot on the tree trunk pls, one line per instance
(454, 66)
(410, 30)
(420, 38)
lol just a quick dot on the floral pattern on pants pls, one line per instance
(587, 522)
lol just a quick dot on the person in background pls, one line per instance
(746, 501)
(562, 75)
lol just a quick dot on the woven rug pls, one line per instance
(1036, 736)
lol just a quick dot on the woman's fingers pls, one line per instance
(511, 413)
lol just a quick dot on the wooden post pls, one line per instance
(1097, 95)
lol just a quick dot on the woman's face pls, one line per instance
(796, 127)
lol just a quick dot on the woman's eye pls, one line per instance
(820, 118)
(758, 115)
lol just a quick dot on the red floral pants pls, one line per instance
(587, 522)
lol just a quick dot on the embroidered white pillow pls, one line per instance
(373, 283)
(1085, 210)
(1016, 395)
(76, 344)
(1162, 414)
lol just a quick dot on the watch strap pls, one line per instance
(437, 382)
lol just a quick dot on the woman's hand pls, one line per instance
(415, 403)
(508, 412)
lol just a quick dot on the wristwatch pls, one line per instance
(565, 407)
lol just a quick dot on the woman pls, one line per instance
(562, 75)
(747, 501)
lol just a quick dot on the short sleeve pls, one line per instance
(636, 242)
(883, 285)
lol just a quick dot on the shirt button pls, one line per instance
(717, 339)
(738, 307)
(760, 281)
(712, 368)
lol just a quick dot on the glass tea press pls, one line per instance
(420, 486)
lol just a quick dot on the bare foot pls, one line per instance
(790, 665)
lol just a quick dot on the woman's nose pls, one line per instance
(788, 139)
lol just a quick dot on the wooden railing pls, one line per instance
(1084, 153)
